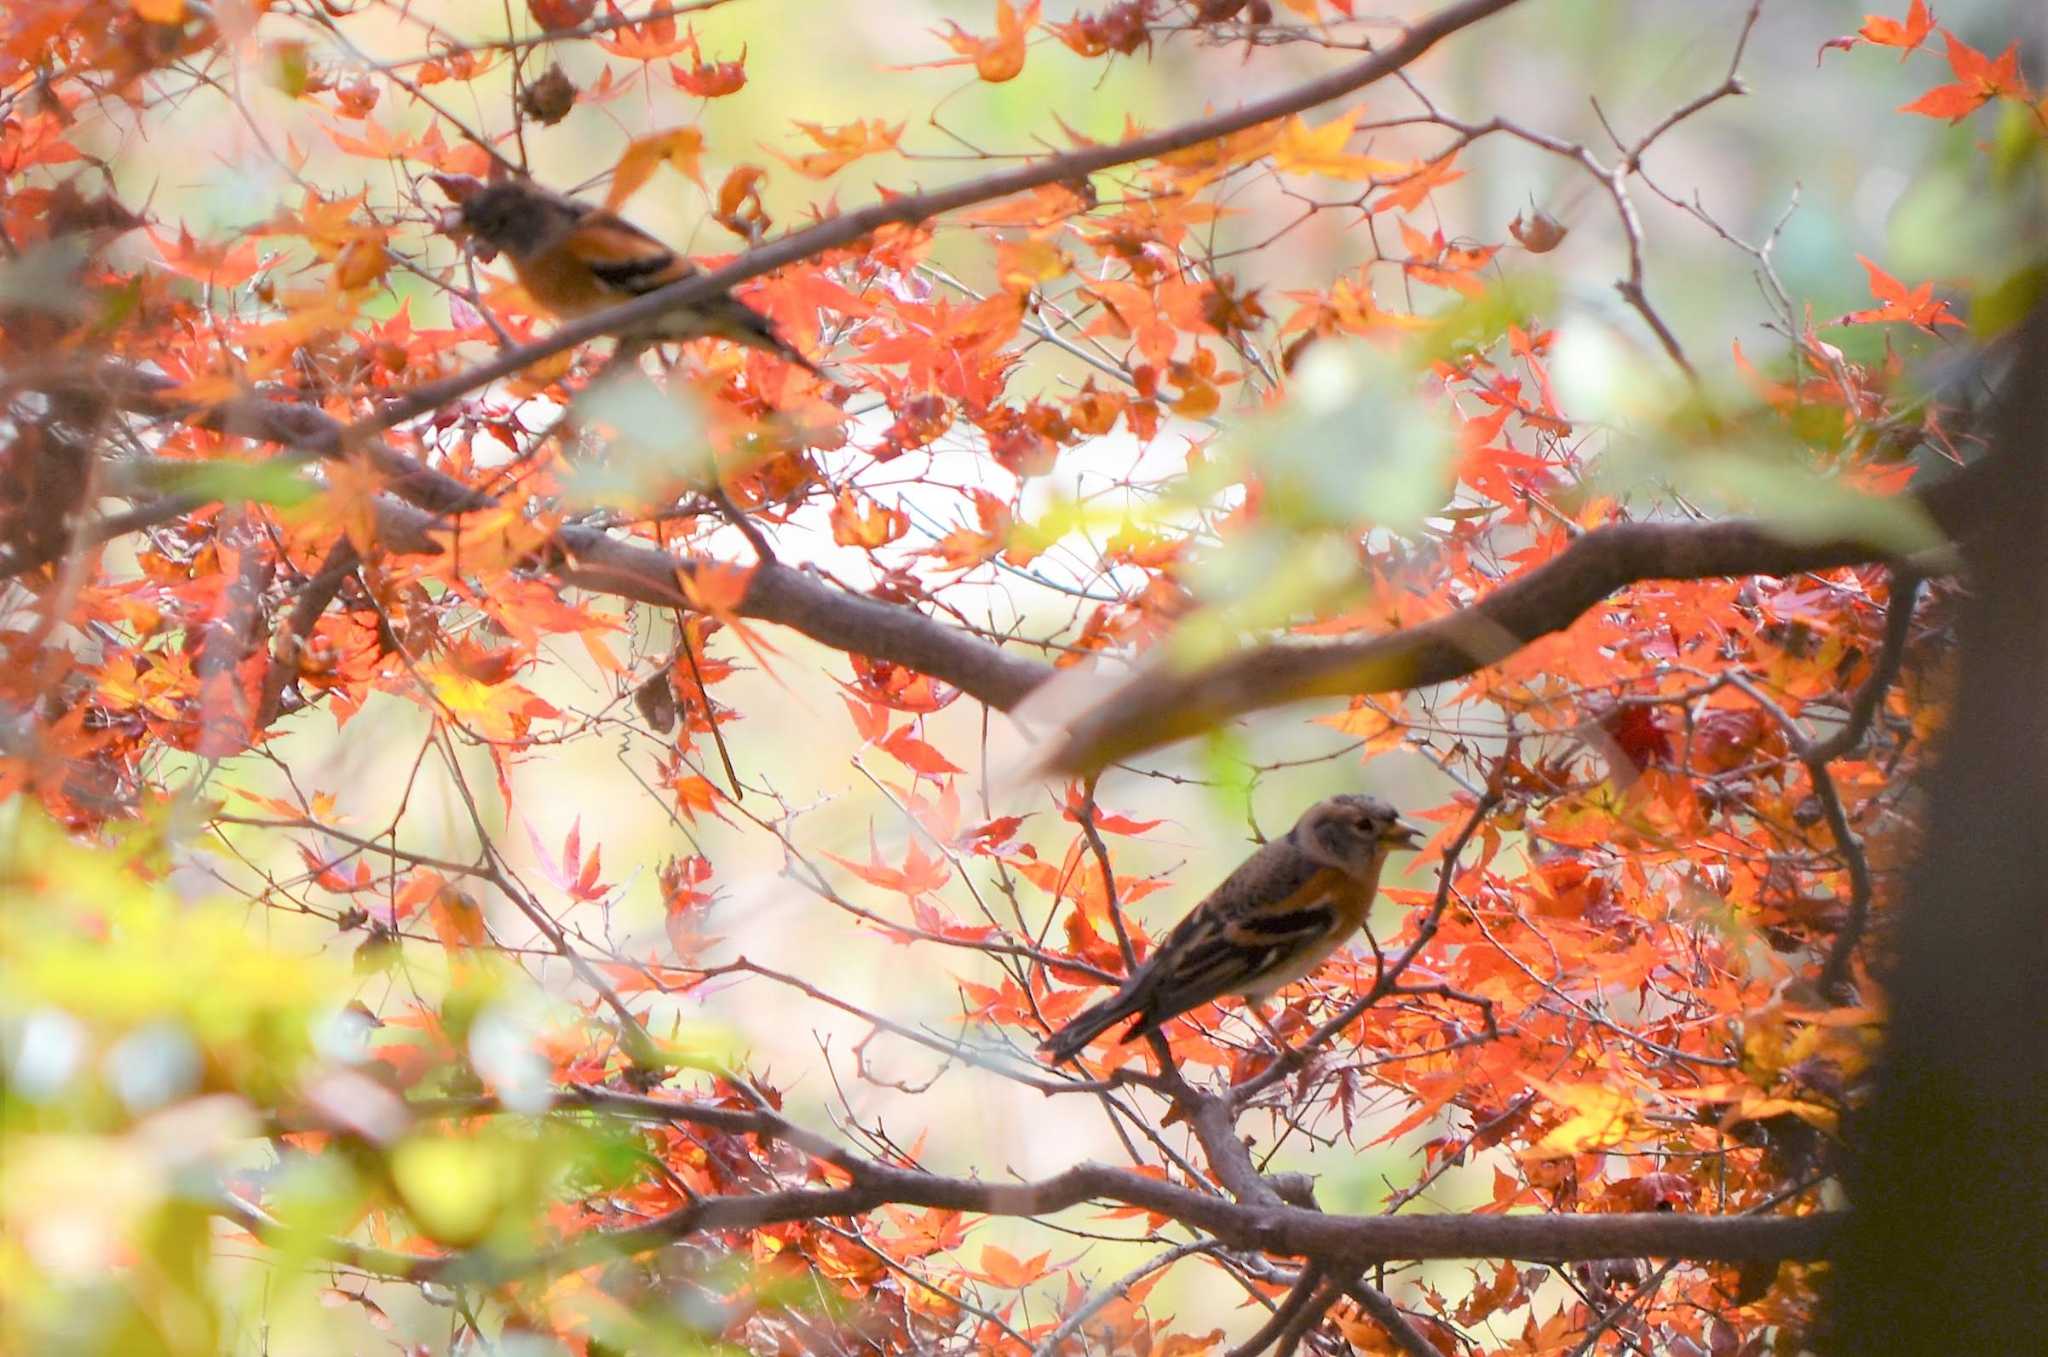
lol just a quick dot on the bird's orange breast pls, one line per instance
(561, 285)
(1341, 899)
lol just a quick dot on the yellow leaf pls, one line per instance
(678, 146)
(1600, 1117)
(1302, 149)
(1367, 721)
(159, 11)
(455, 1189)
(352, 497)
(1024, 264)
(840, 146)
(1759, 1109)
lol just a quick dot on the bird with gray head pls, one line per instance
(574, 258)
(1271, 922)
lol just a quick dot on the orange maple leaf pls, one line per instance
(998, 58)
(1892, 33)
(1917, 307)
(678, 146)
(1978, 81)
(858, 522)
(840, 146)
(1407, 195)
(221, 265)
(708, 80)
(918, 875)
(965, 548)
(643, 41)
(1007, 1270)
(917, 755)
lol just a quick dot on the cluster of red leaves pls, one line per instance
(1979, 79)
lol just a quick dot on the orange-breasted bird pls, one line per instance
(1271, 922)
(574, 258)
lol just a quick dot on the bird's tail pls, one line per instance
(744, 325)
(1089, 1024)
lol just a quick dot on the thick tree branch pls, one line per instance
(1339, 1244)
(1158, 705)
(1949, 1170)
(1338, 1239)
(592, 559)
(800, 600)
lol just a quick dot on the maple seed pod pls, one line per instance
(556, 15)
(1540, 233)
(548, 100)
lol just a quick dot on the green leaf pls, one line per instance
(1227, 764)
(1807, 507)
(1475, 322)
(1354, 446)
(655, 441)
(2001, 307)
(271, 482)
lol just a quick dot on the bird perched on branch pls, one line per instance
(574, 258)
(1271, 922)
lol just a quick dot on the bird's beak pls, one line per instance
(1399, 835)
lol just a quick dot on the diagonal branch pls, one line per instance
(1158, 704)
(590, 558)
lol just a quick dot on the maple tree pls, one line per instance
(520, 841)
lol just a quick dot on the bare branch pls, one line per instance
(1116, 1291)
(1357, 1241)
(1383, 1312)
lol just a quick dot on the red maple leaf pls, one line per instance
(1915, 307)
(1978, 81)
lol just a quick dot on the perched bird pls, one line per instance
(1271, 922)
(574, 258)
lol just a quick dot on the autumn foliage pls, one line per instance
(521, 841)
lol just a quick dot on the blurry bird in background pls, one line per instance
(1271, 922)
(574, 258)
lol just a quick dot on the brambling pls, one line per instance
(1271, 922)
(574, 258)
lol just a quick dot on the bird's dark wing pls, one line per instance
(1276, 907)
(623, 256)
(1201, 957)
(631, 262)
